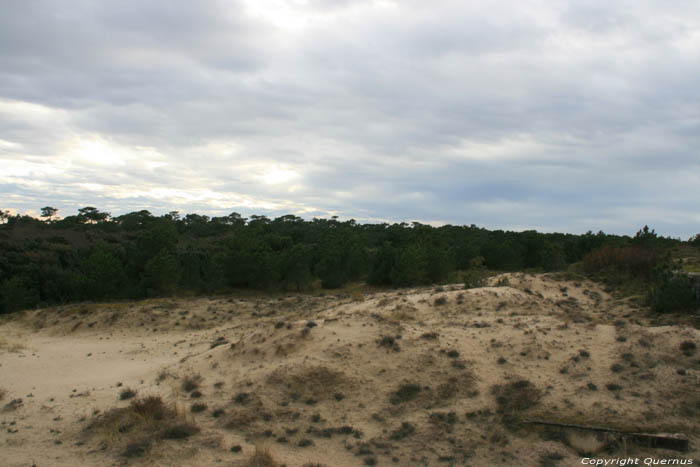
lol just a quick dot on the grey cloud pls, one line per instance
(518, 114)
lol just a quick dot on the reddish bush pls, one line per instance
(633, 261)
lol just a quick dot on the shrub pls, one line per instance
(180, 430)
(150, 407)
(198, 407)
(406, 430)
(671, 293)
(18, 293)
(132, 430)
(441, 301)
(517, 396)
(261, 458)
(688, 348)
(191, 382)
(137, 448)
(389, 342)
(405, 393)
(127, 393)
(618, 263)
(474, 278)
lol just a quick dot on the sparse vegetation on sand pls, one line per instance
(131, 431)
(11, 346)
(455, 384)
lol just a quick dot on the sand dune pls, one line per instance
(426, 376)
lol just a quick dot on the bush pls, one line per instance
(474, 278)
(405, 393)
(17, 294)
(619, 263)
(134, 429)
(261, 458)
(672, 293)
(127, 393)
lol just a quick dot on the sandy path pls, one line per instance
(61, 379)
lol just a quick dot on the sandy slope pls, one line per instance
(278, 380)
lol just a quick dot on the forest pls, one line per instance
(94, 256)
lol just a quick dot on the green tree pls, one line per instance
(295, 267)
(410, 266)
(48, 212)
(554, 257)
(382, 266)
(103, 275)
(4, 216)
(92, 215)
(18, 293)
(161, 274)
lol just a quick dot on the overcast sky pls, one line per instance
(554, 115)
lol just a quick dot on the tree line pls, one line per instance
(94, 256)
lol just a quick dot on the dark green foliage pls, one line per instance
(92, 256)
(161, 274)
(101, 275)
(672, 293)
(18, 293)
(381, 271)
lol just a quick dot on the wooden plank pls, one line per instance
(673, 441)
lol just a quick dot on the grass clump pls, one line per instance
(389, 342)
(180, 430)
(261, 458)
(313, 383)
(404, 431)
(11, 346)
(127, 393)
(688, 348)
(133, 430)
(405, 393)
(515, 398)
(440, 301)
(198, 407)
(191, 382)
(137, 448)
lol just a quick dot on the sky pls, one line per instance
(563, 116)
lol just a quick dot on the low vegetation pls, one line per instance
(261, 458)
(131, 431)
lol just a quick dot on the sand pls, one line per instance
(399, 377)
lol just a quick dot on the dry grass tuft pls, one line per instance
(311, 383)
(131, 431)
(513, 399)
(11, 346)
(262, 458)
(191, 382)
(516, 396)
